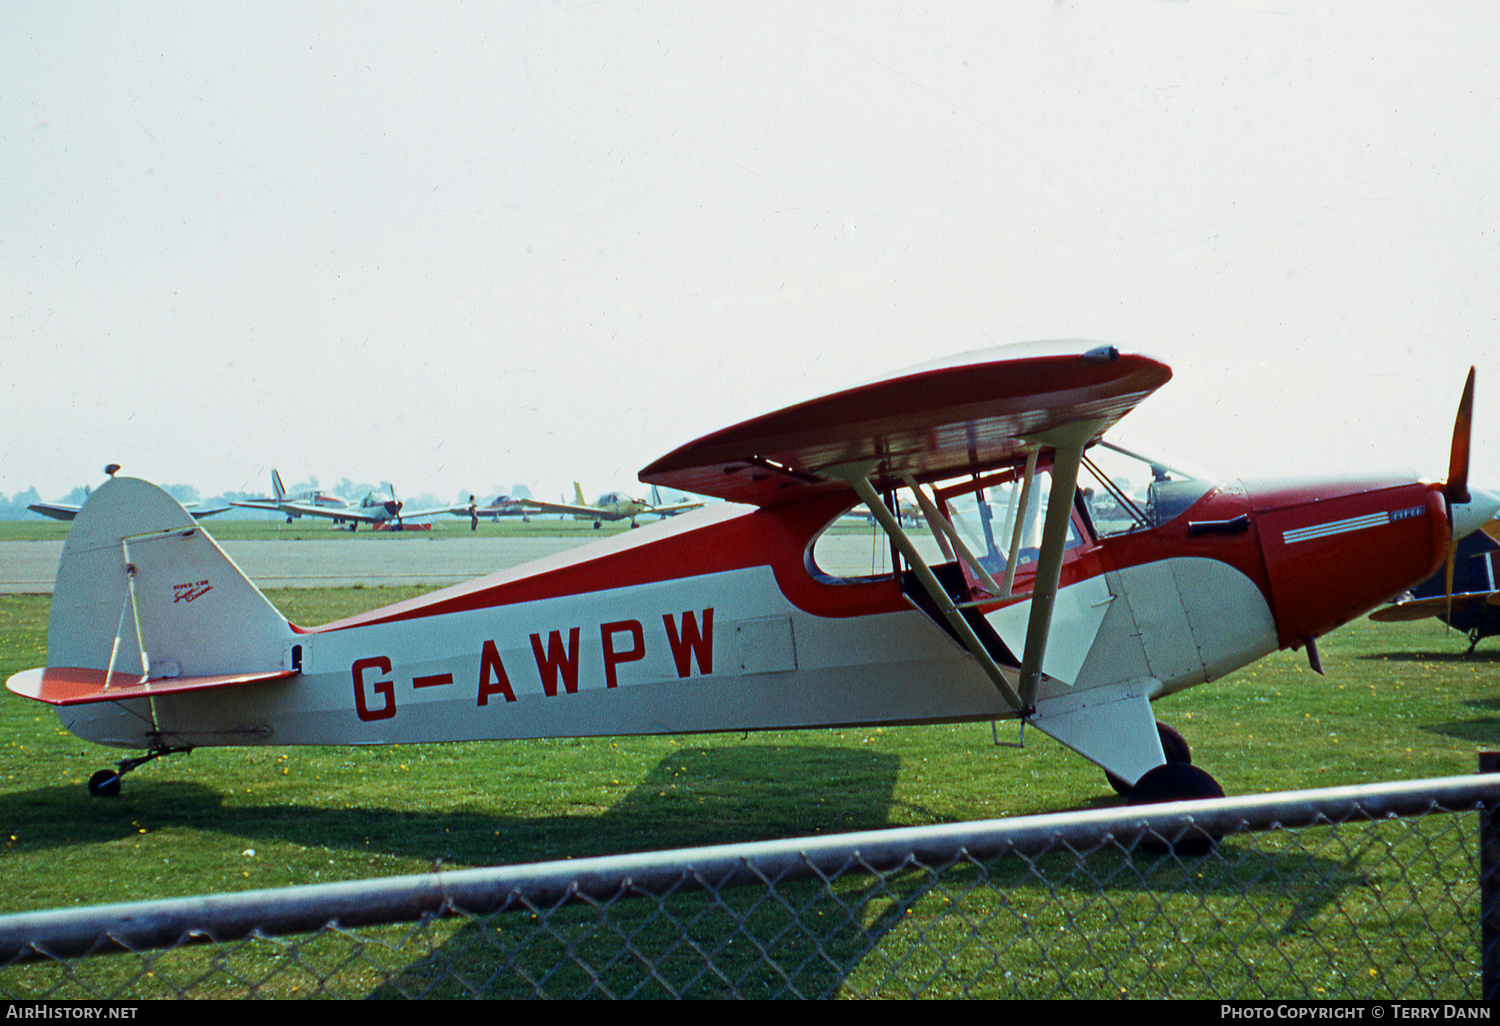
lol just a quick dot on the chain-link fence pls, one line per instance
(1362, 893)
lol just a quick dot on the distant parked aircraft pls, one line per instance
(500, 506)
(1465, 594)
(611, 506)
(64, 511)
(373, 509)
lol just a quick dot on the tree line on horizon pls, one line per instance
(14, 507)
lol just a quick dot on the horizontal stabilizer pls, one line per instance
(76, 685)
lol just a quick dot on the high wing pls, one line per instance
(971, 413)
(966, 415)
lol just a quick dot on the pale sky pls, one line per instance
(461, 245)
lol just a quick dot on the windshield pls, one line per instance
(1125, 491)
(986, 519)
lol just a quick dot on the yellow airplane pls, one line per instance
(611, 506)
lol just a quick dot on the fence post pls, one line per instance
(1489, 886)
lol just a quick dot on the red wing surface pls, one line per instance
(970, 413)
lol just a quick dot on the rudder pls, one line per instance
(143, 588)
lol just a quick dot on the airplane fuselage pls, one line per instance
(719, 620)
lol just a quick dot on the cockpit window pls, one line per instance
(1125, 491)
(1118, 490)
(854, 548)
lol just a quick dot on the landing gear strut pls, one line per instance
(1173, 745)
(1175, 780)
(106, 783)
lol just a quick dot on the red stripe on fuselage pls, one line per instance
(715, 540)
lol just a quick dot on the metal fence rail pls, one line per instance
(1359, 892)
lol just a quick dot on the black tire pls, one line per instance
(1177, 782)
(1173, 745)
(105, 783)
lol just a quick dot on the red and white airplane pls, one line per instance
(374, 509)
(500, 506)
(1050, 590)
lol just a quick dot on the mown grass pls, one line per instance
(1398, 702)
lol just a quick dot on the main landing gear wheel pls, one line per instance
(1177, 782)
(1173, 746)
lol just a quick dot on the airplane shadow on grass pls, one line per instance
(1483, 729)
(801, 938)
(1457, 656)
(1012, 928)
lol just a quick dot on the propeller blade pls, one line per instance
(1456, 488)
(1448, 583)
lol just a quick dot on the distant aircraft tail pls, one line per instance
(277, 488)
(142, 589)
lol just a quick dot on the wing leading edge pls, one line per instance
(969, 414)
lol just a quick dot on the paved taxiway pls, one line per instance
(29, 567)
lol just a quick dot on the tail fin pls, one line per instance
(277, 488)
(578, 494)
(142, 588)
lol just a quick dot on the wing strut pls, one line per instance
(1068, 442)
(1016, 516)
(857, 476)
(950, 538)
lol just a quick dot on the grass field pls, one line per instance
(1398, 702)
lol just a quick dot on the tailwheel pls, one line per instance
(106, 782)
(1173, 745)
